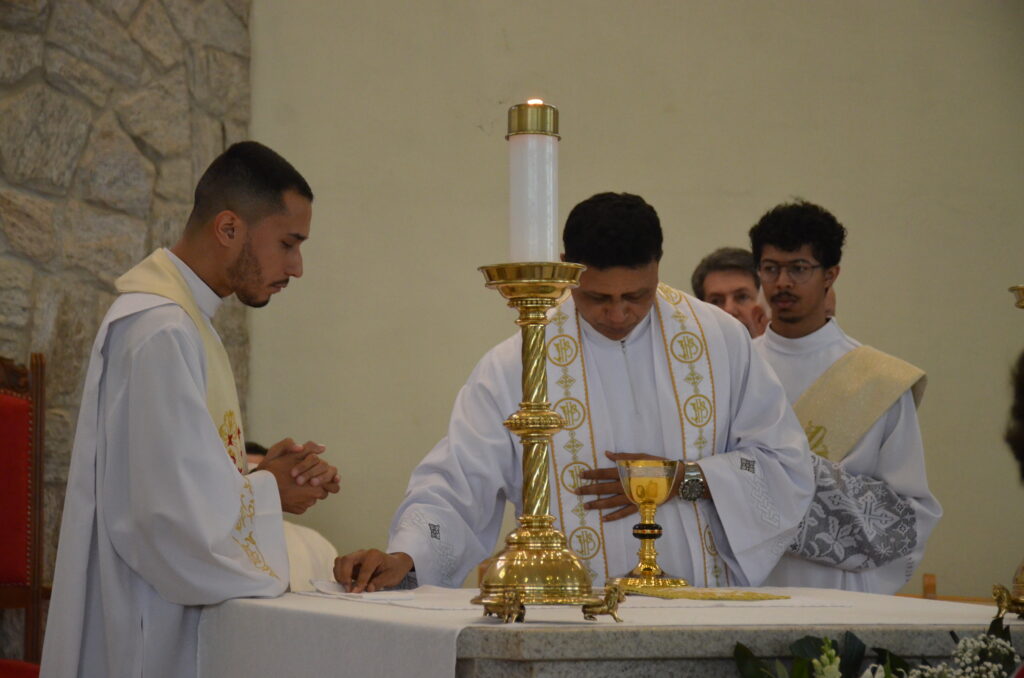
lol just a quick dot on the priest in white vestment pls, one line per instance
(161, 516)
(872, 514)
(634, 367)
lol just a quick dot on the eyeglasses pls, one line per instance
(799, 272)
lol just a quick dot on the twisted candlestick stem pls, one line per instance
(536, 438)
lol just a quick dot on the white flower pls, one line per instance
(827, 665)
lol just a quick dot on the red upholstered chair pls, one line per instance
(21, 495)
(12, 668)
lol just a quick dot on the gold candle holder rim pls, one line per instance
(539, 270)
(533, 118)
(542, 279)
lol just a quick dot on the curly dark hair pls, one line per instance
(612, 229)
(1015, 431)
(792, 225)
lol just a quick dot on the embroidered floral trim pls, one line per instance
(244, 530)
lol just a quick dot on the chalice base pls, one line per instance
(632, 584)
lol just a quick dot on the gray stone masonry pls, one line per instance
(109, 112)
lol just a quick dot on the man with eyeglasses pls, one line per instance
(872, 513)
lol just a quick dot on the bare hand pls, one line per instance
(311, 468)
(314, 470)
(608, 483)
(371, 570)
(756, 321)
(295, 498)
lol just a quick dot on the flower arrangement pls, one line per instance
(988, 655)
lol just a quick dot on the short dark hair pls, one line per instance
(255, 448)
(612, 229)
(792, 225)
(1015, 431)
(247, 178)
(724, 259)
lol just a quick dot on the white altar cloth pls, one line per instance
(398, 635)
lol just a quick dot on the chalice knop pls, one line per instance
(647, 483)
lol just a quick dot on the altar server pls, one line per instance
(161, 516)
(872, 512)
(634, 366)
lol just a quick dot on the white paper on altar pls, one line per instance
(441, 598)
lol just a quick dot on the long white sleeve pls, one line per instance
(173, 501)
(761, 482)
(451, 515)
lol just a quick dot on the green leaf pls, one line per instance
(747, 664)
(801, 668)
(851, 656)
(807, 647)
(780, 670)
(999, 630)
(891, 661)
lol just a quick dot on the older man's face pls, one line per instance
(735, 292)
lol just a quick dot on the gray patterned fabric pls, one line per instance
(855, 523)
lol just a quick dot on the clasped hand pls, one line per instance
(303, 477)
(608, 484)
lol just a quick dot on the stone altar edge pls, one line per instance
(547, 643)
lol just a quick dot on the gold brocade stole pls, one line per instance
(157, 274)
(575, 448)
(848, 398)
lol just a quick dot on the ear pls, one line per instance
(830, 275)
(228, 228)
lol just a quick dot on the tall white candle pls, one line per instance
(533, 181)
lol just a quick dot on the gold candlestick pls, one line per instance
(536, 567)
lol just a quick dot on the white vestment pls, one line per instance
(873, 512)
(158, 521)
(755, 457)
(310, 556)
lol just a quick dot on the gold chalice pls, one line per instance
(647, 483)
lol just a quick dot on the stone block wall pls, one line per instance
(109, 112)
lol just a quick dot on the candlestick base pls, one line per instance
(536, 568)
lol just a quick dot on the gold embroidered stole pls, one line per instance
(848, 398)
(679, 337)
(158, 275)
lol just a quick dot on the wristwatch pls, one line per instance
(694, 486)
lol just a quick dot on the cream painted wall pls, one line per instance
(903, 118)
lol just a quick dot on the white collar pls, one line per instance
(825, 335)
(207, 300)
(638, 333)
